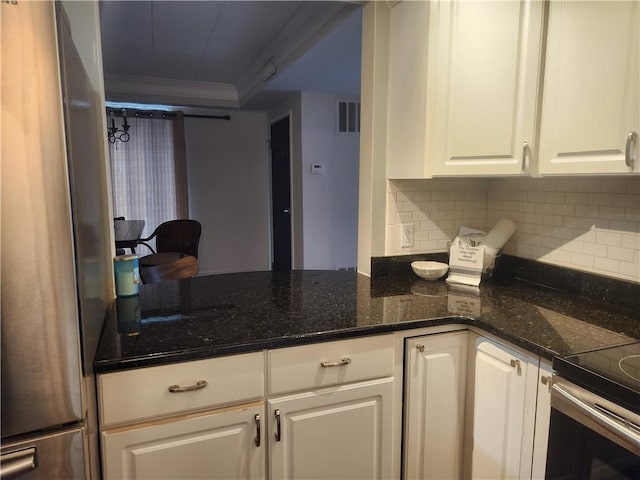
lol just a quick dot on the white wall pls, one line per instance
(585, 223)
(324, 207)
(227, 168)
(330, 200)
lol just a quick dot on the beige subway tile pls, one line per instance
(625, 200)
(551, 242)
(427, 225)
(619, 253)
(586, 211)
(421, 235)
(616, 213)
(577, 198)
(524, 250)
(439, 215)
(545, 208)
(631, 241)
(581, 259)
(624, 226)
(403, 217)
(563, 232)
(606, 264)
(588, 236)
(535, 196)
(574, 246)
(600, 199)
(630, 270)
(613, 185)
(633, 185)
(536, 218)
(565, 185)
(608, 238)
(418, 216)
(553, 220)
(587, 185)
(404, 196)
(594, 249)
(632, 214)
(564, 209)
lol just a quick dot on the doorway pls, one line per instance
(281, 194)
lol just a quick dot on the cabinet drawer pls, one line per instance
(344, 361)
(143, 393)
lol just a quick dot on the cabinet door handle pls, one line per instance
(198, 386)
(343, 361)
(516, 364)
(629, 157)
(420, 347)
(258, 435)
(525, 152)
(278, 426)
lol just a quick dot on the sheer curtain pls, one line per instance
(148, 173)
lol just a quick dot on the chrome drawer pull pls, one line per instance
(516, 364)
(198, 386)
(629, 159)
(525, 151)
(343, 361)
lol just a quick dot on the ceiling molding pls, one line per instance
(169, 91)
(302, 31)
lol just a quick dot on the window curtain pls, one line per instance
(148, 173)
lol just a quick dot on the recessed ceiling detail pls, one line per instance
(206, 53)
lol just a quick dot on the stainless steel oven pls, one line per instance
(595, 415)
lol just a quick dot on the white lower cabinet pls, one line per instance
(504, 399)
(206, 419)
(223, 444)
(330, 410)
(474, 408)
(435, 376)
(334, 433)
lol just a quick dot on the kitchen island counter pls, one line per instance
(217, 315)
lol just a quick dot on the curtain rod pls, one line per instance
(131, 112)
(219, 117)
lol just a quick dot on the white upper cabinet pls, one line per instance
(484, 63)
(590, 101)
(463, 88)
(406, 127)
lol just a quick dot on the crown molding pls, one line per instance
(303, 30)
(169, 91)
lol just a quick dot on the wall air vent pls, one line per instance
(349, 117)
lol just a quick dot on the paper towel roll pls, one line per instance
(499, 235)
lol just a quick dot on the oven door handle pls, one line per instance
(617, 429)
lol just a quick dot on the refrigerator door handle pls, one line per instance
(18, 463)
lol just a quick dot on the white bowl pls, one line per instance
(430, 270)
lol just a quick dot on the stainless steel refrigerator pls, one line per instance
(53, 257)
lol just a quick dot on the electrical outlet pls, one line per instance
(406, 235)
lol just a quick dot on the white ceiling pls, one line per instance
(220, 53)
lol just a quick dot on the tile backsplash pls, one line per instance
(588, 224)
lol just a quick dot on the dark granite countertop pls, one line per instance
(218, 315)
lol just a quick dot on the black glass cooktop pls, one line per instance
(613, 373)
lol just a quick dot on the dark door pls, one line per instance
(281, 194)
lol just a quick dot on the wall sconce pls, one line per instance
(116, 133)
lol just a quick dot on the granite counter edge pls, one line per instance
(164, 358)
